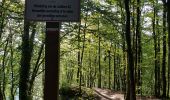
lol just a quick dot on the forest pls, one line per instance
(121, 46)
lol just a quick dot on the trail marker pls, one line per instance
(54, 12)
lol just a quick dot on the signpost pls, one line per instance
(52, 12)
(52, 61)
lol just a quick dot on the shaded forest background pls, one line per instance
(122, 45)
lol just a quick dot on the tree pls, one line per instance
(164, 52)
(156, 49)
(139, 48)
(109, 54)
(99, 55)
(168, 9)
(131, 95)
(27, 50)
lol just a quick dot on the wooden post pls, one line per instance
(52, 61)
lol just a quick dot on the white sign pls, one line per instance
(53, 10)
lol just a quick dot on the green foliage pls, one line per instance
(74, 91)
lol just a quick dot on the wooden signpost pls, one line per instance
(53, 12)
(52, 61)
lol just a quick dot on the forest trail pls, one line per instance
(106, 94)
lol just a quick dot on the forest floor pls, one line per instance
(106, 94)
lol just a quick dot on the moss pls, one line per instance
(74, 91)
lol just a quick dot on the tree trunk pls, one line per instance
(1, 96)
(90, 69)
(78, 54)
(168, 7)
(12, 69)
(155, 49)
(3, 67)
(158, 64)
(124, 78)
(114, 58)
(131, 81)
(139, 49)
(35, 70)
(82, 53)
(109, 52)
(99, 77)
(124, 65)
(25, 64)
(118, 82)
(164, 52)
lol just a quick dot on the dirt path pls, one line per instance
(106, 94)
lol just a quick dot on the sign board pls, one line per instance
(52, 10)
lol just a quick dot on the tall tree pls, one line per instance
(82, 53)
(115, 67)
(12, 68)
(131, 80)
(156, 48)
(164, 52)
(78, 54)
(27, 50)
(3, 66)
(168, 9)
(139, 48)
(25, 64)
(109, 54)
(99, 50)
